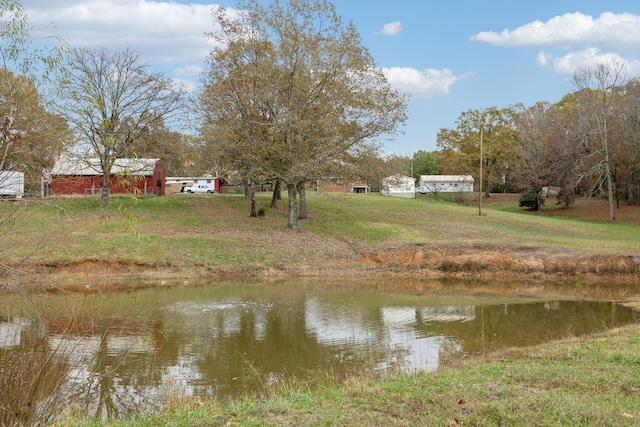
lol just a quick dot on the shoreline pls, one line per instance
(413, 263)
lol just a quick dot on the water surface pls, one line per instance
(138, 349)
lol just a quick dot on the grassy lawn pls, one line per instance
(183, 231)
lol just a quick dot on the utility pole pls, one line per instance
(480, 186)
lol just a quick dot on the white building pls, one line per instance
(11, 184)
(445, 184)
(399, 186)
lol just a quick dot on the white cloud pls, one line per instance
(423, 84)
(587, 58)
(189, 71)
(162, 31)
(392, 28)
(166, 34)
(576, 41)
(188, 77)
(572, 30)
(188, 85)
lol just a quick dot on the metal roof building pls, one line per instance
(84, 176)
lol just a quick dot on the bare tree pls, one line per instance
(628, 150)
(531, 173)
(111, 99)
(599, 89)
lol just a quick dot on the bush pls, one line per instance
(531, 200)
(566, 198)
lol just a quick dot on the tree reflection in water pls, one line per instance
(148, 347)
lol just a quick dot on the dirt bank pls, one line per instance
(521, 263)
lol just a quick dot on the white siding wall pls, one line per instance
(445, 183)
(399, 186)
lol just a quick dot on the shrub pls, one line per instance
(531, 200)
(566, 198)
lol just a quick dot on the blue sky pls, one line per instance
(451, 56)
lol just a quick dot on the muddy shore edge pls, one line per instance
(418, 263)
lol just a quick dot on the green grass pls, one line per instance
(217, 231)
(425, 220)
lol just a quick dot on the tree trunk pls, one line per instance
(609, 172)
(293, 205)
(245, 188)
(487, 188)
(540, 200)
(631, 185)
(277, 193)
(302, 214)
(612, 202)
(104, 192)
(106, 404)
(252, 198)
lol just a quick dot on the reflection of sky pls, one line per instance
(332, 325)
(180, 379)
(260, 325)
(10, 333)
(217, 317)
(82, 352)
(222, 318)
(349, 326)
(83, 379)
(421, 353)
(463, 313)
(205, 337)
(85, 348)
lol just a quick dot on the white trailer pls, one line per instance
(445, 184)
(11, 185)
(399, 186)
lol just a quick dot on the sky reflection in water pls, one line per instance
(228, 339)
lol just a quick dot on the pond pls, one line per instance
(130, 350)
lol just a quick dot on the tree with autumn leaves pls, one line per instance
(291, 92)
(460, 147)
(30, 135)
(588, 142)
(585, 144)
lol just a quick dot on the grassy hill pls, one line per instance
(345, 234)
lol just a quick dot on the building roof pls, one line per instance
(398, 179)
(446, 178)
(91, 167)
(189, 178)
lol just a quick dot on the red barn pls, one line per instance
(131, 176)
